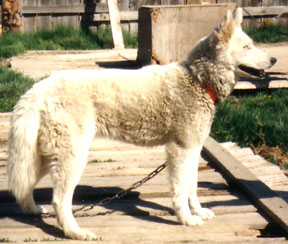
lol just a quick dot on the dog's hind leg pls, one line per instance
(27, 203)
(23, 190)
(182, 165)
(66, 174)
(24, 165)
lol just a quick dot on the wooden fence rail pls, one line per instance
(65, 9)
(271, 11)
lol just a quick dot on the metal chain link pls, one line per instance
(118, 195)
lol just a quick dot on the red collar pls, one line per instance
(210, 92)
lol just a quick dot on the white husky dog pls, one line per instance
(54, 123)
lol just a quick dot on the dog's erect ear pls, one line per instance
(238, 17)
(224, 30)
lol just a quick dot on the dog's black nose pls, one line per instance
(273, 61)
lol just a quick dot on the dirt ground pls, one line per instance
(279, 51)
(39, 64)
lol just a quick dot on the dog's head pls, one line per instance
(235, 47)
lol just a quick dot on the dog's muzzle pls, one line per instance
(254, 72)
(257, 72)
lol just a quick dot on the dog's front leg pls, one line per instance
(195, 206)
(183, 166)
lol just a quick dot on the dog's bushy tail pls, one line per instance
(23, 163)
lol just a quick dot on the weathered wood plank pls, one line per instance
(29, 23)
(275, 207)
(220, 204)
(44, 22)
(102, 7)
(279, 80)
(201, 1)
(94, 187)
(124, 16)
(267, 172)
(145, 228)
(265, 11)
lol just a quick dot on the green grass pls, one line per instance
(62, 38)
(102, 161)
(254, 119)
(12, 85)
(5, 240)
(30, 240)
(268, 33)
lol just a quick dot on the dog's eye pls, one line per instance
(246, 47)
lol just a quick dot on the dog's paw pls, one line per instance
(35, 210)
(41, 210)
(80, 234)
(204, 213)
(191, 220)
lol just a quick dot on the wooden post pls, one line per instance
(11, 15)
(115, 24)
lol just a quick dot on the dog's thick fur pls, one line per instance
(54, 123)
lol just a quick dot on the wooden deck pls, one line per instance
(145, 215)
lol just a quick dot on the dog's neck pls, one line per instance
(210, 70)
(210, 92)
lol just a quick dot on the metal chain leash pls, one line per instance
(118, 195)
(122, 193)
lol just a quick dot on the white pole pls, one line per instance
(115, 24)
